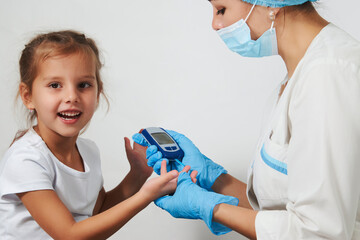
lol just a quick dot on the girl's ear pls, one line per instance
(25, 95)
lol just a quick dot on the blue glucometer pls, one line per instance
(164, 142)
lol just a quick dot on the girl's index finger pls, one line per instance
(163, 169)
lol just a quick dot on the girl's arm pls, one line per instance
(134, 180)
(53, 216)
(228, 185)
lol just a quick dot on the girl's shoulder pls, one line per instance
(29, 147)
(26, 166)
(29, 142)
(30, 138)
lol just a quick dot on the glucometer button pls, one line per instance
(168, 148)
(173, 148)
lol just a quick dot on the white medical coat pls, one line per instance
(305, 178)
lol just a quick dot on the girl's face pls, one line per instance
(227, 12)
(64, 94)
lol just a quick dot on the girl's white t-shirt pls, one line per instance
(29, 165)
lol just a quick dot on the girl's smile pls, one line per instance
(69, 116)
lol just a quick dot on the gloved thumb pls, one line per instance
(183, 177)
(139, 139)
(186, 144)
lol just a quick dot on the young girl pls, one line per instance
(51, 184)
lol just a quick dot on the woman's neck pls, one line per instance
(295, 32)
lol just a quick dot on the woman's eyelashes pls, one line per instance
(221, 11)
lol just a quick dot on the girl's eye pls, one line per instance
(54, 85)
(221, 11)
(84, 85)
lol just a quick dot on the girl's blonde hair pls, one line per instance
(53, 44)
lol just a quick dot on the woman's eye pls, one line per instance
(84, 85)
(54, 85)
(221, 11)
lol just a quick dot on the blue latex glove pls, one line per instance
(208, 171)
(193, 202)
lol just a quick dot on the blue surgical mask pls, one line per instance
(237, 37)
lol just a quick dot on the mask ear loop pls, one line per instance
(272, 19)
(252, 8)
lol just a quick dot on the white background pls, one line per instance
(163, 66)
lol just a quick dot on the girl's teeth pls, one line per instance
(69, 115)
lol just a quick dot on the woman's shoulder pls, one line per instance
(333, 44)
(332, 57)
(330, 68)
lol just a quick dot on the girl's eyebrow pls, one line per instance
(92, 77)
(89, 76)
(52, 78)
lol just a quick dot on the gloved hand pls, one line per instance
(208, 171)
(193, 202)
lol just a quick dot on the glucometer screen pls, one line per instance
(162, 138)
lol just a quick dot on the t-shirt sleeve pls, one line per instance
(323, 158)
(24, 170)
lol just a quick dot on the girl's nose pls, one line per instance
(71, 95)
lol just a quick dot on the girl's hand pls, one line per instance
(164, 184)
(136, 156)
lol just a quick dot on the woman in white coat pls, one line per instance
(304, 180)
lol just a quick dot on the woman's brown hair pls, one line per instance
(305, 8)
